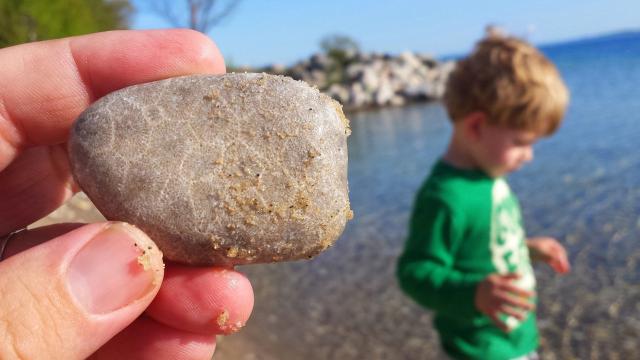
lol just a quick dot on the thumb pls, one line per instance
(67, 297)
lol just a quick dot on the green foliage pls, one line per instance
(340, 49)
(31, 20)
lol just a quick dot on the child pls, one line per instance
(466, 257)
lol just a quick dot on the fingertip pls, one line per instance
(193, 50)
(202, 51)
(560, 267)
(499, 323)
(237, 293)
(203, 300)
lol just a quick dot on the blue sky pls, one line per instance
(261, 32)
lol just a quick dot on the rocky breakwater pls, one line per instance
(368, 80)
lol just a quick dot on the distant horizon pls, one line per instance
(580, 39)
(562, 42)
(260, 33)
(589, 37)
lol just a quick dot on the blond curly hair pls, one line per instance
(511, 82)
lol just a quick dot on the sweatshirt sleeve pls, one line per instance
(425, 269)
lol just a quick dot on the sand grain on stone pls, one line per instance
(219, 169)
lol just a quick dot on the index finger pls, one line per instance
(514, 301)
(517, 291)
(563, 265)
(560, 264)
(44, 86)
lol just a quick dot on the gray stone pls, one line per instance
(409, 59)
(338, 92)
(370, 79)
(224, 170)
(397, 100)
(358, 98)
(317, 78)
(353, 72)
(320, 61)
(384, 94)
(418, 91)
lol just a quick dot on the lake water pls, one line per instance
(583, 188)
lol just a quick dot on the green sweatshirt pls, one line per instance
(465, 226)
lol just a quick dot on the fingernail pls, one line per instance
(118, 266)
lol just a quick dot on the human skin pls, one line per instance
(72, 290)
(498, 151)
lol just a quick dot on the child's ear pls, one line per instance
(474, 124)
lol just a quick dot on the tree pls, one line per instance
(200, 15)
(339, 46)
(341, 50)
(31, 20)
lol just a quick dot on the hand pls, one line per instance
(550, 251)
(70, 291)
(496, 295)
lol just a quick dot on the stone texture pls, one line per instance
(231, 169)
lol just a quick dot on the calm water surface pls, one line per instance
(583, 188)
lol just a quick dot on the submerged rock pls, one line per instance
(219, 169)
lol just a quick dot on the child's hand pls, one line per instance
(550, 251)
(497, 295)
